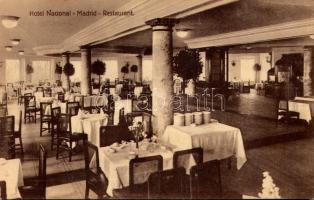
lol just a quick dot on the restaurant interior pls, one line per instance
(138, 99)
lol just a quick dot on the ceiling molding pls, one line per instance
(49, 50)
(266, 33)
(112, 27)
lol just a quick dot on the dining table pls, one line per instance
(11, 172)
(115, 164)
(304, 107)
(219, 141)
(62, 106)
(89, 124)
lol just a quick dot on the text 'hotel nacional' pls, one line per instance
(39, 13)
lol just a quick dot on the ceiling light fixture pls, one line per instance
(8, 48)
(15, 41)
(312, 37)
(21, 52)
(182, 33)
(9, 21)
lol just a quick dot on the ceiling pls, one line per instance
(241, 15)
(47, 30)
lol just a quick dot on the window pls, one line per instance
(42, 71)
(77, 74)
(111, 70)
(12, 71)
(247, 69)
(147, 70)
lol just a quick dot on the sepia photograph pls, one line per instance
(156, 99)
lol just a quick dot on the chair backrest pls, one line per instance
(27, 101)
(91, 153)
(204, 175)
(141, 168)
(63, 126)
(4, 100)
(48, 92)
(283, 104)
(39, 89)
(167, 184)
(182, 158)
(43, 107)
(3, 190)
(7, 137)
(111, 134)
(42, 176)
(72, 108)
(3, 111)
(61, 96)
(55, 112)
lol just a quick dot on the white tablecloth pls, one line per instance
(95, 101)
(123, 103)
(54, 105)
(118, 88)
(219, 141)
(138, 90)
(301, 107)
(43, 100)
(12, 173)
(311, 98)
(89, 125)
(116, 165)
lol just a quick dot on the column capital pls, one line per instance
(139, 56)
(169, 22)
(85, 48)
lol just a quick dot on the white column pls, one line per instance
(65, 58)
(140, 68)
(162, 74)
(85, 71)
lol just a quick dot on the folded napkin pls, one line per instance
(102, 111)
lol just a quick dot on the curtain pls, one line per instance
(12, 71)
(42, 71)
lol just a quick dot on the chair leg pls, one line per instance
(86, 192)
(41, 128)
(70, 152)
(57, 155)
(21, 144)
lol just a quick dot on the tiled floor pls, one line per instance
(291, 164)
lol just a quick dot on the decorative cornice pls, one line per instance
(110, 28)
(169, 22)
(261, 34)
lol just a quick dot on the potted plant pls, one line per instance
(68, 70)
(125, 69)
(29, 71)
(187, 65)
(134, 69)
(98, 68)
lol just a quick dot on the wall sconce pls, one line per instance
(21, 52)
(233, 63)
(182, 33)
(15, 41)
(8, 48)
(9, 21)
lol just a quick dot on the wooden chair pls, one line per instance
(18, 135)
(72, 108)
(7, 141)
(139, 171)
(111, 134)
(37, 188)
(39, 89)
(202, 180)
(167, 184)
(284, 112)
(30, 110)
(4, 102)
(48, 92)
(61, 96)
(55, 112)
(3, 111)
(45, 119)
(64, 135)
(96, 180)
(3, 190)
(183, 158)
